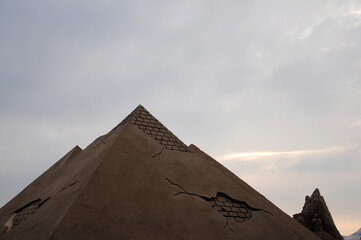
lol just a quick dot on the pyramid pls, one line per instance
(140, 181)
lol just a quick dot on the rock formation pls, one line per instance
(316, 217)
(140, 181)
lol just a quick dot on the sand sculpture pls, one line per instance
(140, 181)
(316, 217)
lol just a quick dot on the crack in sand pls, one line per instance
(71, 184)
(231, 209)
(158, 154)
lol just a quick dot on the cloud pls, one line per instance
(306, 33)
(356, 124)
(254, 156)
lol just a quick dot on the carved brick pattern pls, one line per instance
(231, 209)
(26, 212)
(151, 126)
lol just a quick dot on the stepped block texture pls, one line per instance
(139, 181)
(151, 126)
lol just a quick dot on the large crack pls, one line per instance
(23, 213)
(29, 209)
(231, 209)
(185, 191)
(197, 195)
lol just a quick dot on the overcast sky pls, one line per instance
(271, 89)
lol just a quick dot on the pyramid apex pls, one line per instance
(146, 122)
(140, 106)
